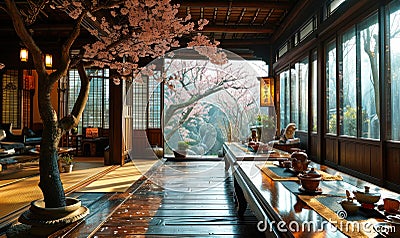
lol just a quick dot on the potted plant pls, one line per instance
(182, 150)
(265, 127)
(67, 160)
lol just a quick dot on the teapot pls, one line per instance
(300, 161)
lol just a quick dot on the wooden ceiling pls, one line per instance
(240, 20)
(235, 23)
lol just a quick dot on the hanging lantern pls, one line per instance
(267, 92)
(48, 60)
(23, 55)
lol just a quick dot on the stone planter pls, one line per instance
(45, 221)
(68, 168)
(180, 154)
(60, 165)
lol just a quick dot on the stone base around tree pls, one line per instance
(45, 221)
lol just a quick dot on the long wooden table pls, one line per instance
(283, 209)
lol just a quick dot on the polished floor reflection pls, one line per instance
(182, 199)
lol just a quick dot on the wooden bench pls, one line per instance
(277, 203)
(5, 162)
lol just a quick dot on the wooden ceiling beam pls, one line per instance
(235, 4)
(243, 42)
(238, 29)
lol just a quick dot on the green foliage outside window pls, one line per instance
(332, 123)
(350, 120)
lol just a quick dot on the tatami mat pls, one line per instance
(19, 194)
(122, 178)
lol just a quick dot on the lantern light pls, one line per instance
(48, 60)
(267, 92)
(23, 55)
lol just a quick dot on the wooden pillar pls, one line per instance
(116, 156)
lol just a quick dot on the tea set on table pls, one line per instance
(367, 200)
(309, 178)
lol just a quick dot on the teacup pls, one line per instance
(287, 164)
(391, 205)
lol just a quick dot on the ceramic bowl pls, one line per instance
(349, 206)
(366, 196)
(310, 182)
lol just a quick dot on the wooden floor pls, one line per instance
(179, 199)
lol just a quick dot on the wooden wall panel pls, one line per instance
(155, 137)
(303, 139)
(361, 157)
(314, 150)
(393, 164)
(331, 150)
(365, 157)
(342, 155)
(377, 163)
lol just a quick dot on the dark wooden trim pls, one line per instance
(235, 4)
(116, 143)
(384, 78)
(295, 54)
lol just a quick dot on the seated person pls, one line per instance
(254, 136)
(30, 137)
(10, 137)
(8, 140)
(2, 134)
(287, 135)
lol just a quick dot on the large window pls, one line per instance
(331, 87)
(314, 86)
(294, 96)
(394, 41)
(97, 107)
(154, 109)
(140, 98)
(302, 67)
(147, 103)
(348, 72)
(284, 99)
(11, 103)
(369, 55)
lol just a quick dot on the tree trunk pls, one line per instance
(50, 181)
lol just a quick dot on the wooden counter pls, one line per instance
(273, 203)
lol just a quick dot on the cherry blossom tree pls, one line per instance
(197, 87)
(125, 31)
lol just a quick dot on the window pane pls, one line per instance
(331, 87)
(303, 93)
(10, 99)
(369, 77)
(335, 4)
(155, 102)
(349, 87)
(140, 96)
(97, 107)
(394, 28)
(294, 94)
(314, 86)
(284, 96)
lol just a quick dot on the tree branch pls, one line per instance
(108, 5)
(65, 50)
(73, 119)
(26, 38)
